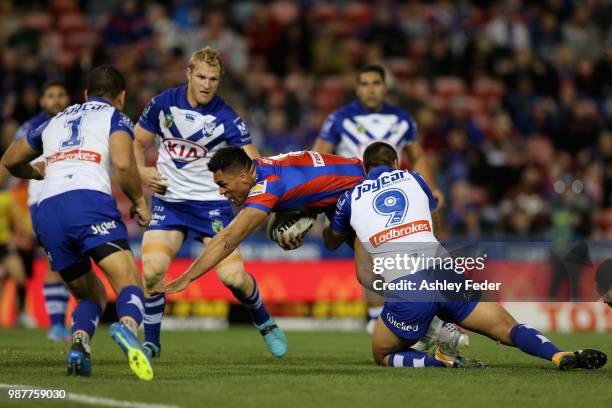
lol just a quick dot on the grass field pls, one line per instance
(322, 369)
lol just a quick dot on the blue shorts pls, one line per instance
(408, 314)
(71, 224)
(196, 219)
(410, 320)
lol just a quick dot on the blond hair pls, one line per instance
(207, 55)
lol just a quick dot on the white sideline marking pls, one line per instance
(91, 400)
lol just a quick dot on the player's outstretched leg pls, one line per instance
(122, 273)
(89, 292)
(494, 321)
(244, 287)
(56, 302)
(158, 249)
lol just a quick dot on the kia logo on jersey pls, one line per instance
(183, 151)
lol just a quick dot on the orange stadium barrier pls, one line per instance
(279, 282)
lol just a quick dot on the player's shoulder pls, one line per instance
(347, 110)
(223, 110)
(120, 118)
(169, 96)
(30, 124)
(383, 176)
(396, 110)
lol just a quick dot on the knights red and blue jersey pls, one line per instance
(305, 180)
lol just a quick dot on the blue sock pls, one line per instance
(56, 302)
(413, 358)
(154, 311)
(254, 304)
(532, 342)
(86, 317)
(130, 303)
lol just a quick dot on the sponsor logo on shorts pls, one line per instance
(398, 232)
(157, 218)
(217, 226)
(401, 325)
(103, 228)
(75, 154)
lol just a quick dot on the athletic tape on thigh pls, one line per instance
(157, 248)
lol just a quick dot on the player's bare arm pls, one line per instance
(332, 238)
(17, 161)
(219, 247)
(251, 150)
(143, 139)
(323, 146)
(126, 171)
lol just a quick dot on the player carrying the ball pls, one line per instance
(307, 181)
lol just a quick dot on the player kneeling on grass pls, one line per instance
(396, 205)
(77, 216)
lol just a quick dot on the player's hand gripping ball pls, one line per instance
(288, 228)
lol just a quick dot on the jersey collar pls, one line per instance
(362, 109)
(377, 171)
(99, 100)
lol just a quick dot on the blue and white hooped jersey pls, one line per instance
(189, 137)
(34, 186)
(352, 128)
(75, 147)
(397, 205)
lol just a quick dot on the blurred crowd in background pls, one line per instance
(513, 99)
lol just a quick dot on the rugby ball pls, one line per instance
(289, 224)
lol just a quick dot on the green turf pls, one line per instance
(233, 369)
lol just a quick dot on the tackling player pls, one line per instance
(192, 123)
(351, 129)
(77, 217)
(397, 204)
(53, 99)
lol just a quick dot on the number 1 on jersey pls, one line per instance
(393, 203)
(74, 137)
